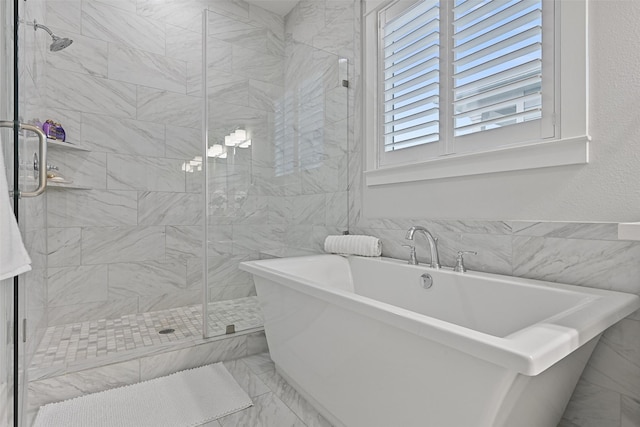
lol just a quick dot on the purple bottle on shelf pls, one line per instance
(49, 129)
(60, 133)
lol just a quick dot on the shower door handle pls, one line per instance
(42, 157)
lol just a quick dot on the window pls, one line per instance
(462, 78)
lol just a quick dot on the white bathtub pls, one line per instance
(363, 341)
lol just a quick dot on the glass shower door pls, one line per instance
(23, 144)
(10, 367)
(243, 89)
(276, 153)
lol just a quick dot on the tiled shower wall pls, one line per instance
(125, 90)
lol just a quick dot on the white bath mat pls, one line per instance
(184, 399)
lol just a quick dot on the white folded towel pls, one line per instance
(353, 245)
(14, 258)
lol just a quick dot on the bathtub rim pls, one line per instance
(528, 351)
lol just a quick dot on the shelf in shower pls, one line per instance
(71, 186)
(54, 143)
(30, 182)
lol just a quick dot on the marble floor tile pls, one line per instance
(276, 403)
(246, 378)
(267, 411)
(260, 363)
(257, 343)
(630, 412)
(293, 400)
(592, 406)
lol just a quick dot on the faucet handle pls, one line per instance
(459, 267)
(412, 254)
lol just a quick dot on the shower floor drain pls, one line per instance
(166, 331)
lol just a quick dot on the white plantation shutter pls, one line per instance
(410, 58)
(497, 64)
(463, 76)
(465, 87)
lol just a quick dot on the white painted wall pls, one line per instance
(607, 189)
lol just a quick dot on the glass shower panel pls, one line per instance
(276, 153)
(32, 211)
(24, 298)
(6, 286)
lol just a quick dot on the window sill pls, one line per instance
(571, 151)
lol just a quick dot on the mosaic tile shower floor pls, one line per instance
(98, 338)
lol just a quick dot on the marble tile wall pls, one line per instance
(123, 245)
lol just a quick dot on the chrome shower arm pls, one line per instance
(36, 26)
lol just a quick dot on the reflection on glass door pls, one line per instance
(276, 135)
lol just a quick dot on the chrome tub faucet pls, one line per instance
(433, 245)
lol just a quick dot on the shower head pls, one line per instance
(58, 43)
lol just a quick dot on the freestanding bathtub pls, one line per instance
(369, 343)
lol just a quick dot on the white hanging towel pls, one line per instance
(353, 245)
(14, 258)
